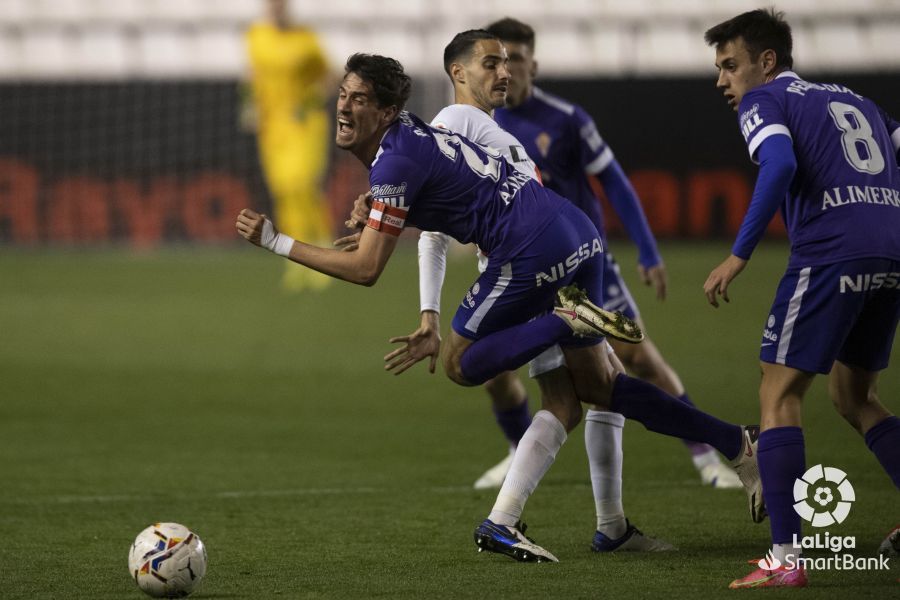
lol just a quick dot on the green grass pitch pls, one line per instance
(182, 385)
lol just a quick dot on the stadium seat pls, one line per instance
(179, 11)
(394, 42)
(339, 44)
(565, 51)
(219, 52)
(608, 45)
(60, 11)
(664, 49)
(805, 56)
(883, 40)
(48, 51)
(239, 12)
(839, 45)
(116, 11)
(164, 52)
(104, 52)
(10, 55)
(16, 12)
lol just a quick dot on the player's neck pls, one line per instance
(366, 152)
(461, 96)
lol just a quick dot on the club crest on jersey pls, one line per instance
(561, 269)
(543, 141)
(750, 120)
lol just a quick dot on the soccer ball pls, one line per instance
(167, 560)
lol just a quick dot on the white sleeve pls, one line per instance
(433, 248)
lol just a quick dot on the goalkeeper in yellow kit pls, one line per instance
(286, 104)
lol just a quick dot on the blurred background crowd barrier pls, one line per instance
(120, 119)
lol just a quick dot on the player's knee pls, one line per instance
(574, 417)
(453, 369)
(850, 404)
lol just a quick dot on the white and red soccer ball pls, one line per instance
(167, 560)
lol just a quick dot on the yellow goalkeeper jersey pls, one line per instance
(289, 71)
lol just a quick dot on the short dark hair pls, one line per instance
(391, 85)
(761, 30)
(461, 46)
(511, 30)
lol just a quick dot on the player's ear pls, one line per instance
(457, 73)
(768, 60)
(534, 69)
(390, 113)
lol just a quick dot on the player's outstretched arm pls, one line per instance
(422, 343)
(362, 267)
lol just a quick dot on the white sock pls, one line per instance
(536, 452)
(603, 443)
(782, 551)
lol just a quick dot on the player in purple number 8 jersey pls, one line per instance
(829, 158)
(540, 247)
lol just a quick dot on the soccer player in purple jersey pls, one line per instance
(542, 248)
(829, 158)
(476, 63)
(564, 142)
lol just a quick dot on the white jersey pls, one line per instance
(479, 127)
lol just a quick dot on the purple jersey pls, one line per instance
(562, 139)
(440, 181)
(844, 201)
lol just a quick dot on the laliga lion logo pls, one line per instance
(816, 490)
(769, 563)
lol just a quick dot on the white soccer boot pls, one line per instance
(493, 477)
(747, 469)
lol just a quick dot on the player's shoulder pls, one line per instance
(408, 137)
(563, 110)
(454, 116)
(554, 102)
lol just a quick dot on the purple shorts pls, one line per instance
(515, 289)
(846, 311)
(616, 296)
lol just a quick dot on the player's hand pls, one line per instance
(657, 277)
(719, 278)
(359, 216)
(422, 343)
(250, 224)
(348, 243)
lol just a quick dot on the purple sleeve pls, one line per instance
(893, 128)
(627, 205)
(593, 152)
(761, 116)
(396, 182)
(776, 171)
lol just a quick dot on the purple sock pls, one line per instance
(781, 461)
(514, 421)
(696, 448)
(884, 441)
(511, 348)
(662, 413)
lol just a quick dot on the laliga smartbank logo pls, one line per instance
(823, 496)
